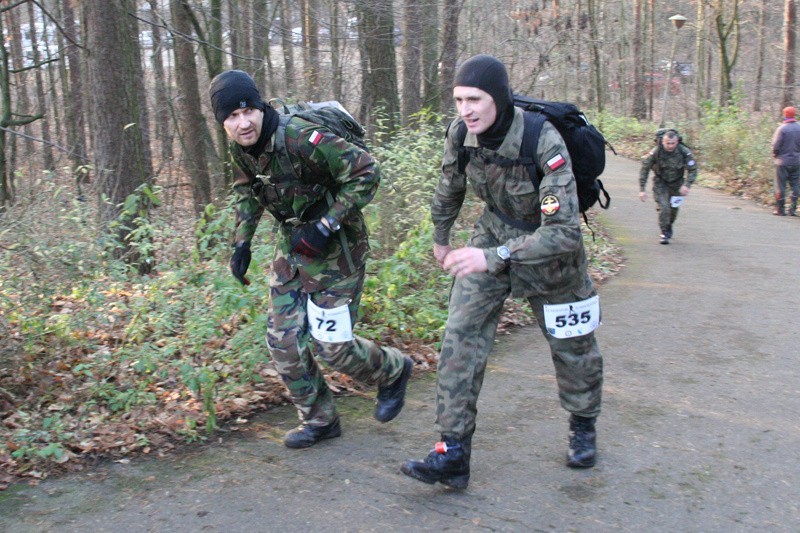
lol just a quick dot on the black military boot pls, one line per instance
(582, 442)
(390, 398)
(448, 463)
(305, 436)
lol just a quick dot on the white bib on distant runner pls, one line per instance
(676, 201)
(563, 321)
(330, 325)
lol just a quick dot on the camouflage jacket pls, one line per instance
(336, 179)
(550, 259)
(669, 166)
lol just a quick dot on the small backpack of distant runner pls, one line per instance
(663, 131)
(330, 115)
(585, 144)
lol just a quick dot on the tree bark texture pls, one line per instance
(191, 118)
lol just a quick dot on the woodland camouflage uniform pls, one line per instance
(547, 266)
(336, 179)
(668, 177)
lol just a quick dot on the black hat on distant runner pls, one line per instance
(232, 90)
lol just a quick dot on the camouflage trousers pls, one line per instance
(476, 302)
(293, 349)
(662, 192)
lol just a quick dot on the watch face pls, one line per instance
(334, 224)
(504, 253)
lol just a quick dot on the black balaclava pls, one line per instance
(489, 74)
(235, 89)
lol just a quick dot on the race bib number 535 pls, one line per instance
(330, 325)
(572, 319)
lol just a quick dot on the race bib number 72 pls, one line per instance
(572, 319)
(330, 325)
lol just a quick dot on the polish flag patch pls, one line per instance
(315, 138)
(556, 162)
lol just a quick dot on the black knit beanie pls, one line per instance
(488, 74)
(231, 90)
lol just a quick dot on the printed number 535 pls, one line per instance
(573, 319)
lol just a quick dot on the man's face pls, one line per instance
(243, 126)
(476, 107)
(669, 144)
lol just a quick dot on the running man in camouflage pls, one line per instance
(319, 264)
(669, 161)
(527, 243)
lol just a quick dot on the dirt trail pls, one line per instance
(699, 430)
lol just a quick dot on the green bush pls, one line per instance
(410, 162)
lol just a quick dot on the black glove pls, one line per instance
(240, 261)
(310, 239)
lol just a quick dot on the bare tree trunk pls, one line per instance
(789, 51)
(20, 88)
(161, 105)
(412, 55)
(235, 19)
(762, 48)
(728, 53)
(451, 14)
(192, 119)
(262, 23)
(431, 90)
(309, 11)
(337, 41)
(122, 154)
(594, 48)
(700, 57)
(652, 58)
(288, 47)
(47, 149)
(76, 122)
(378, 24)
(639, 109)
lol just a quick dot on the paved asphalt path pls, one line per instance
(699, 432)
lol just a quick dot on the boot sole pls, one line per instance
(456, 482)
(581, 464)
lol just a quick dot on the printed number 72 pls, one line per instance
(331, 325)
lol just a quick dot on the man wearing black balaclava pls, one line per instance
(527, 243)
(321, 248)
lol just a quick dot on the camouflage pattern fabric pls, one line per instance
(662, 192)
(547, 266)
(668, 177)
(327, 165)
(293, 348)
(330, 168)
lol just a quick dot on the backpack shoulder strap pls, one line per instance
(534, 121)
(460, 135)
(281, 152)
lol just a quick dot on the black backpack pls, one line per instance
(586, 146)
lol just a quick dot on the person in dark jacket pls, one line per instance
(786, 151)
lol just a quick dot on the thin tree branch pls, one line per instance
(71, 152)
(192, 39)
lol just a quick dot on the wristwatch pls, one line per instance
(333, 223)
(504, 253)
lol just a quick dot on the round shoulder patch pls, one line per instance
(550, 205)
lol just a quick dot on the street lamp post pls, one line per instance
(677, 21)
